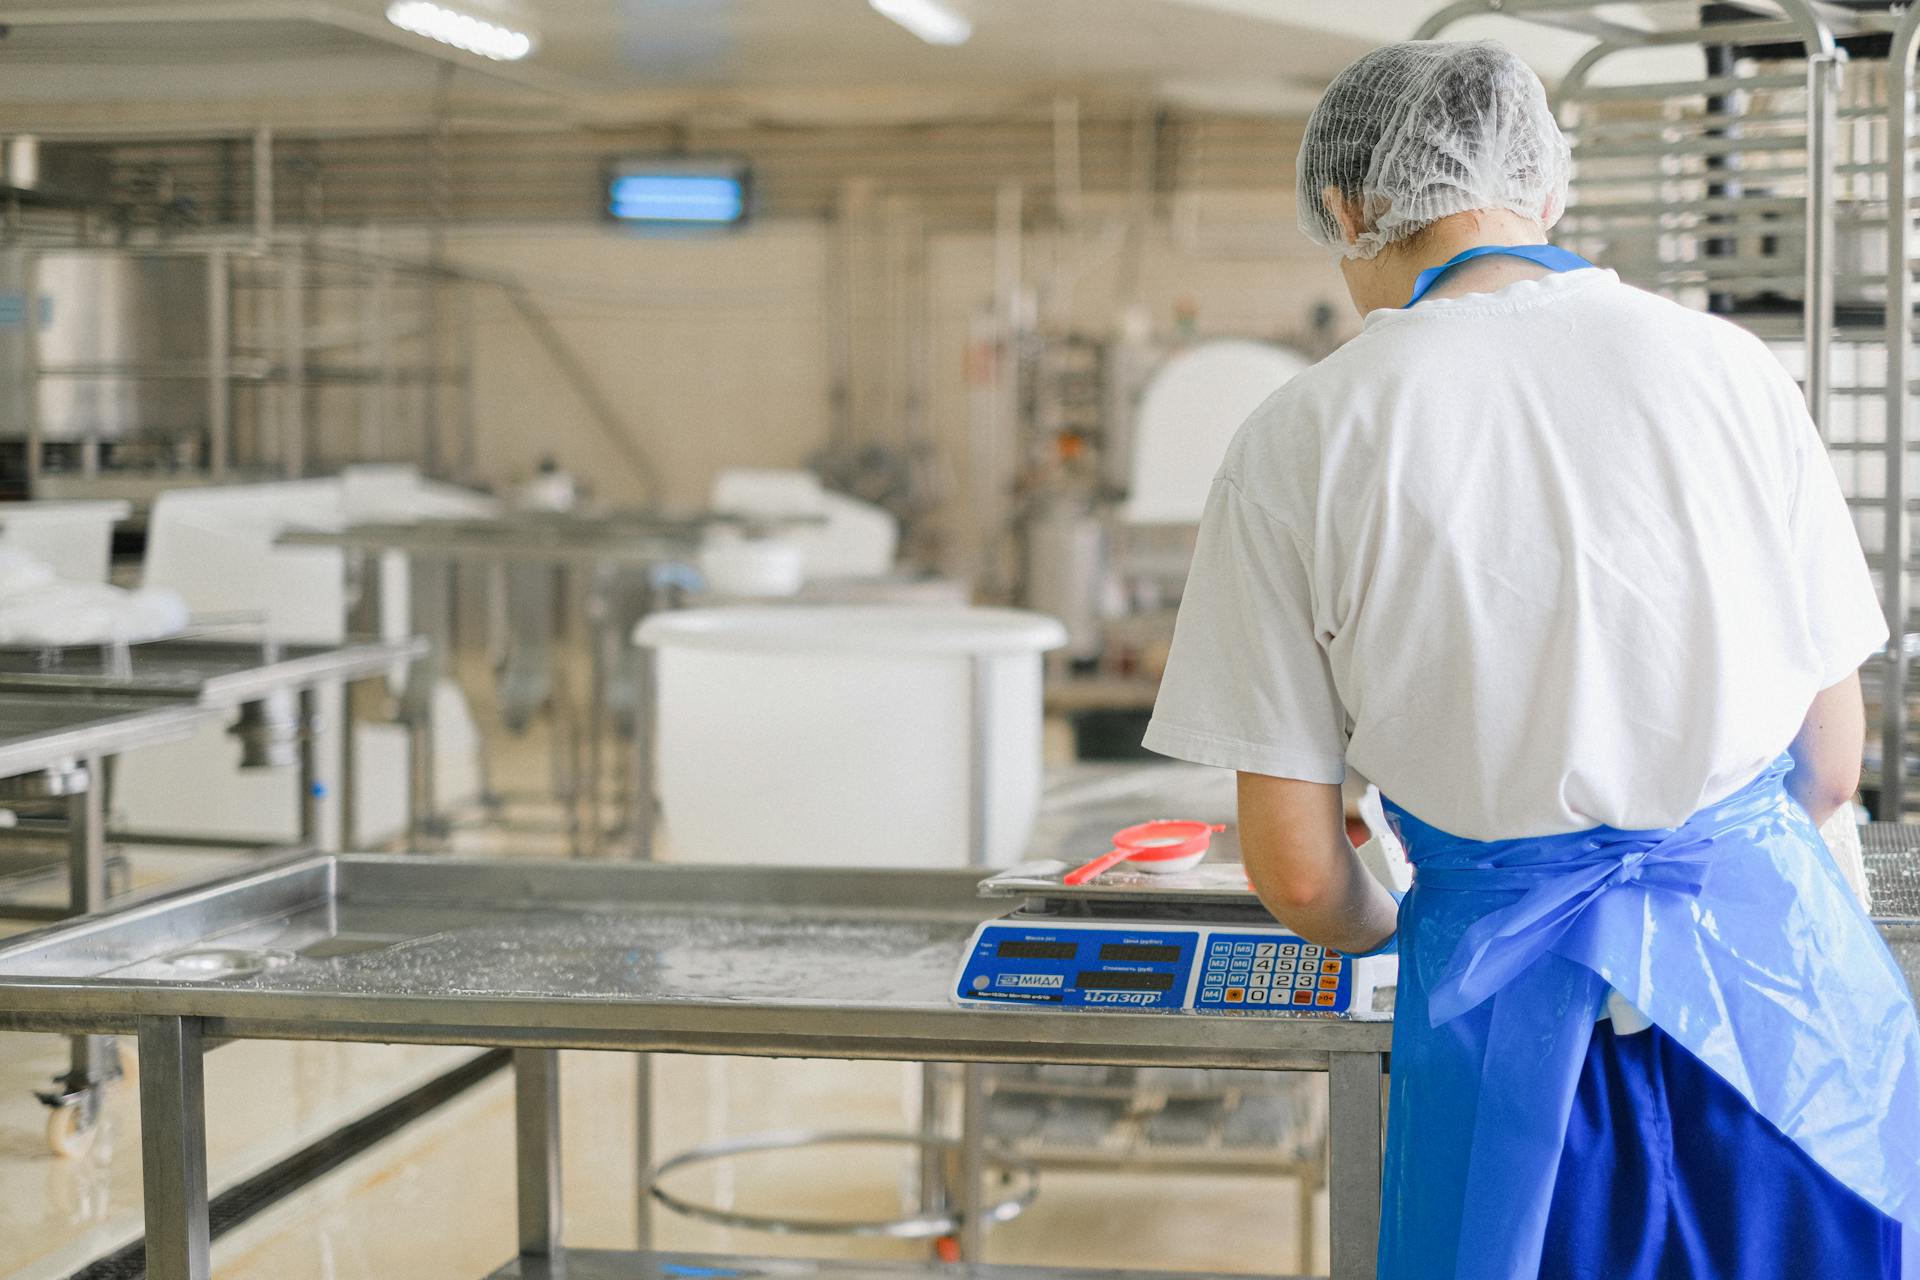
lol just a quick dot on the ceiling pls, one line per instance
(606, 58)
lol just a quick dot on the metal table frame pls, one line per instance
(225, 676)
(176, 1022)
(594, 547)
(68, 764)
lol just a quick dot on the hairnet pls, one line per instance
(1415, 131)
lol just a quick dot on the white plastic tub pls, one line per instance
(844, 735)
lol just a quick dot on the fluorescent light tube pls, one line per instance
(931, 20)
(461, 30)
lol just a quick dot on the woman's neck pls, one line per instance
(1453, 236)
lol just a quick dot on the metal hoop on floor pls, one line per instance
(1020, 1176)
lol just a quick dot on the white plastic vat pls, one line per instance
(846, 735)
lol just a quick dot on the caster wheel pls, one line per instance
(71, 1130)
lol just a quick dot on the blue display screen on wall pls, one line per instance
(677, 193)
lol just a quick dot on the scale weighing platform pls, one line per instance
(1192, 942)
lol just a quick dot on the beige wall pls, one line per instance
(717, 349)
(714, 350)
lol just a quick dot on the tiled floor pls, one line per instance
(436, 1200)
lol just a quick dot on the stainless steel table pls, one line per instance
(624, 560)
(601, 1264)
(54, 751)
(659, 958)
(54, 748)
(274, 687)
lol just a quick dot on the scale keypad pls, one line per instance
(1251, 971)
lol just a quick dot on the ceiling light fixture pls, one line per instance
(461, 30)
(931, 20)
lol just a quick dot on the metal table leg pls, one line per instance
(1353, 1185)
(92, 1062)
(641, 802)
(173, 1148)
(973, 1163)
(349, 783)
(643, 1149)
(430, 592)
(311, 787)
(86, 841)
(536, 1132)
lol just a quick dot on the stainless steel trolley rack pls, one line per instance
(1756, 180)
(541, 957)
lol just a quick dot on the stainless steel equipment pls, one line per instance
(539, 957)
(273, 688)
(601, 1264)
(611, 568)
(54, 173)
(55, 751)
(125, 371)
(121, 345)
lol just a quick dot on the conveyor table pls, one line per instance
(540, 957)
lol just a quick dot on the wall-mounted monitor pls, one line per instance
(677, 191)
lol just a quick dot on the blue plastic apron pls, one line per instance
(1734, 932)
(1552, 257)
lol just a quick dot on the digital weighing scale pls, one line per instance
(1192, 942)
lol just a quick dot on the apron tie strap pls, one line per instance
(1504, 943)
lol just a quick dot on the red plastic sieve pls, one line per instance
(1161, 846)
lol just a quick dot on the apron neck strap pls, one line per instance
(1550, 256)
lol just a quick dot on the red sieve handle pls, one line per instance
(1080, 875)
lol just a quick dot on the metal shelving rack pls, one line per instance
(1758, 186)
(310, 357)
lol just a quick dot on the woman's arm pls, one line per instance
(1826, 752)
(1293, 840)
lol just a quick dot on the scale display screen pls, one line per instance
(1025, 950)
(1146, 952)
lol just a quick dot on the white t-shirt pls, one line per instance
(1560, 555)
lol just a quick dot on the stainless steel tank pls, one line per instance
(114, 344)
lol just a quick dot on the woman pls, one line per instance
(1562, 567)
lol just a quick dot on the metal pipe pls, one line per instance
(1810, 26)
(219, 336)
(1823, 74)
(979, 760)
(262, 187)
(1896, 525)
(30, 391)
(293, 369)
